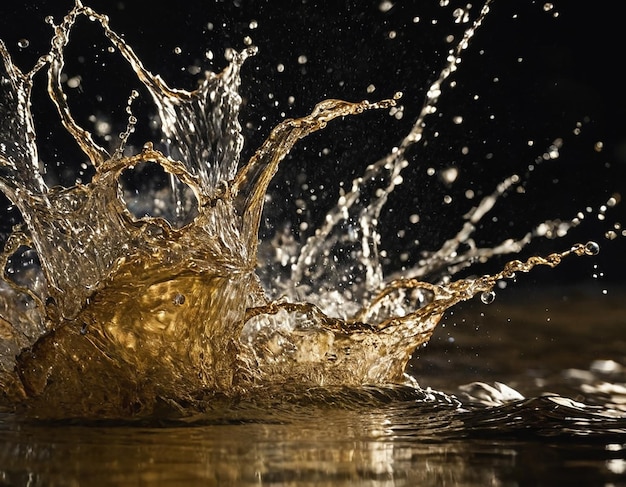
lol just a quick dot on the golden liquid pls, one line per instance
(128, 315)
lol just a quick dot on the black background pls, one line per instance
(552, 72)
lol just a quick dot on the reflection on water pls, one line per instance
(312, 447)
(396, 445)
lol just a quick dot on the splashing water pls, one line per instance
(111, 306)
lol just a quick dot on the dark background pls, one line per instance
(552, 73)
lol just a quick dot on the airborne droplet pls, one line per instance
(488, 297)
(592, 248)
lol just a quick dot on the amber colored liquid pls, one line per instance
(134, 313)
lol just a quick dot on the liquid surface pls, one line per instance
(126, 300)
(369, 437)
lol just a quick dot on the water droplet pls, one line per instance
(74, 82)
(385, 6)
(449, 175)
(488, 297)
(23, 43)
(592, 248)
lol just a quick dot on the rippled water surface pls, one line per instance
(527, 390)
(389, 436)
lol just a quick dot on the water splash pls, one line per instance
(118, 313)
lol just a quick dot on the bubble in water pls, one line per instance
(23, 43)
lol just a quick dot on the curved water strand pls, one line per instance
(19, 160)
(388, 170)
(200, 127)
(96, 154)
(251, 182)
(297, 343)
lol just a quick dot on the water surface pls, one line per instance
(560, 347)
(373, 437)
